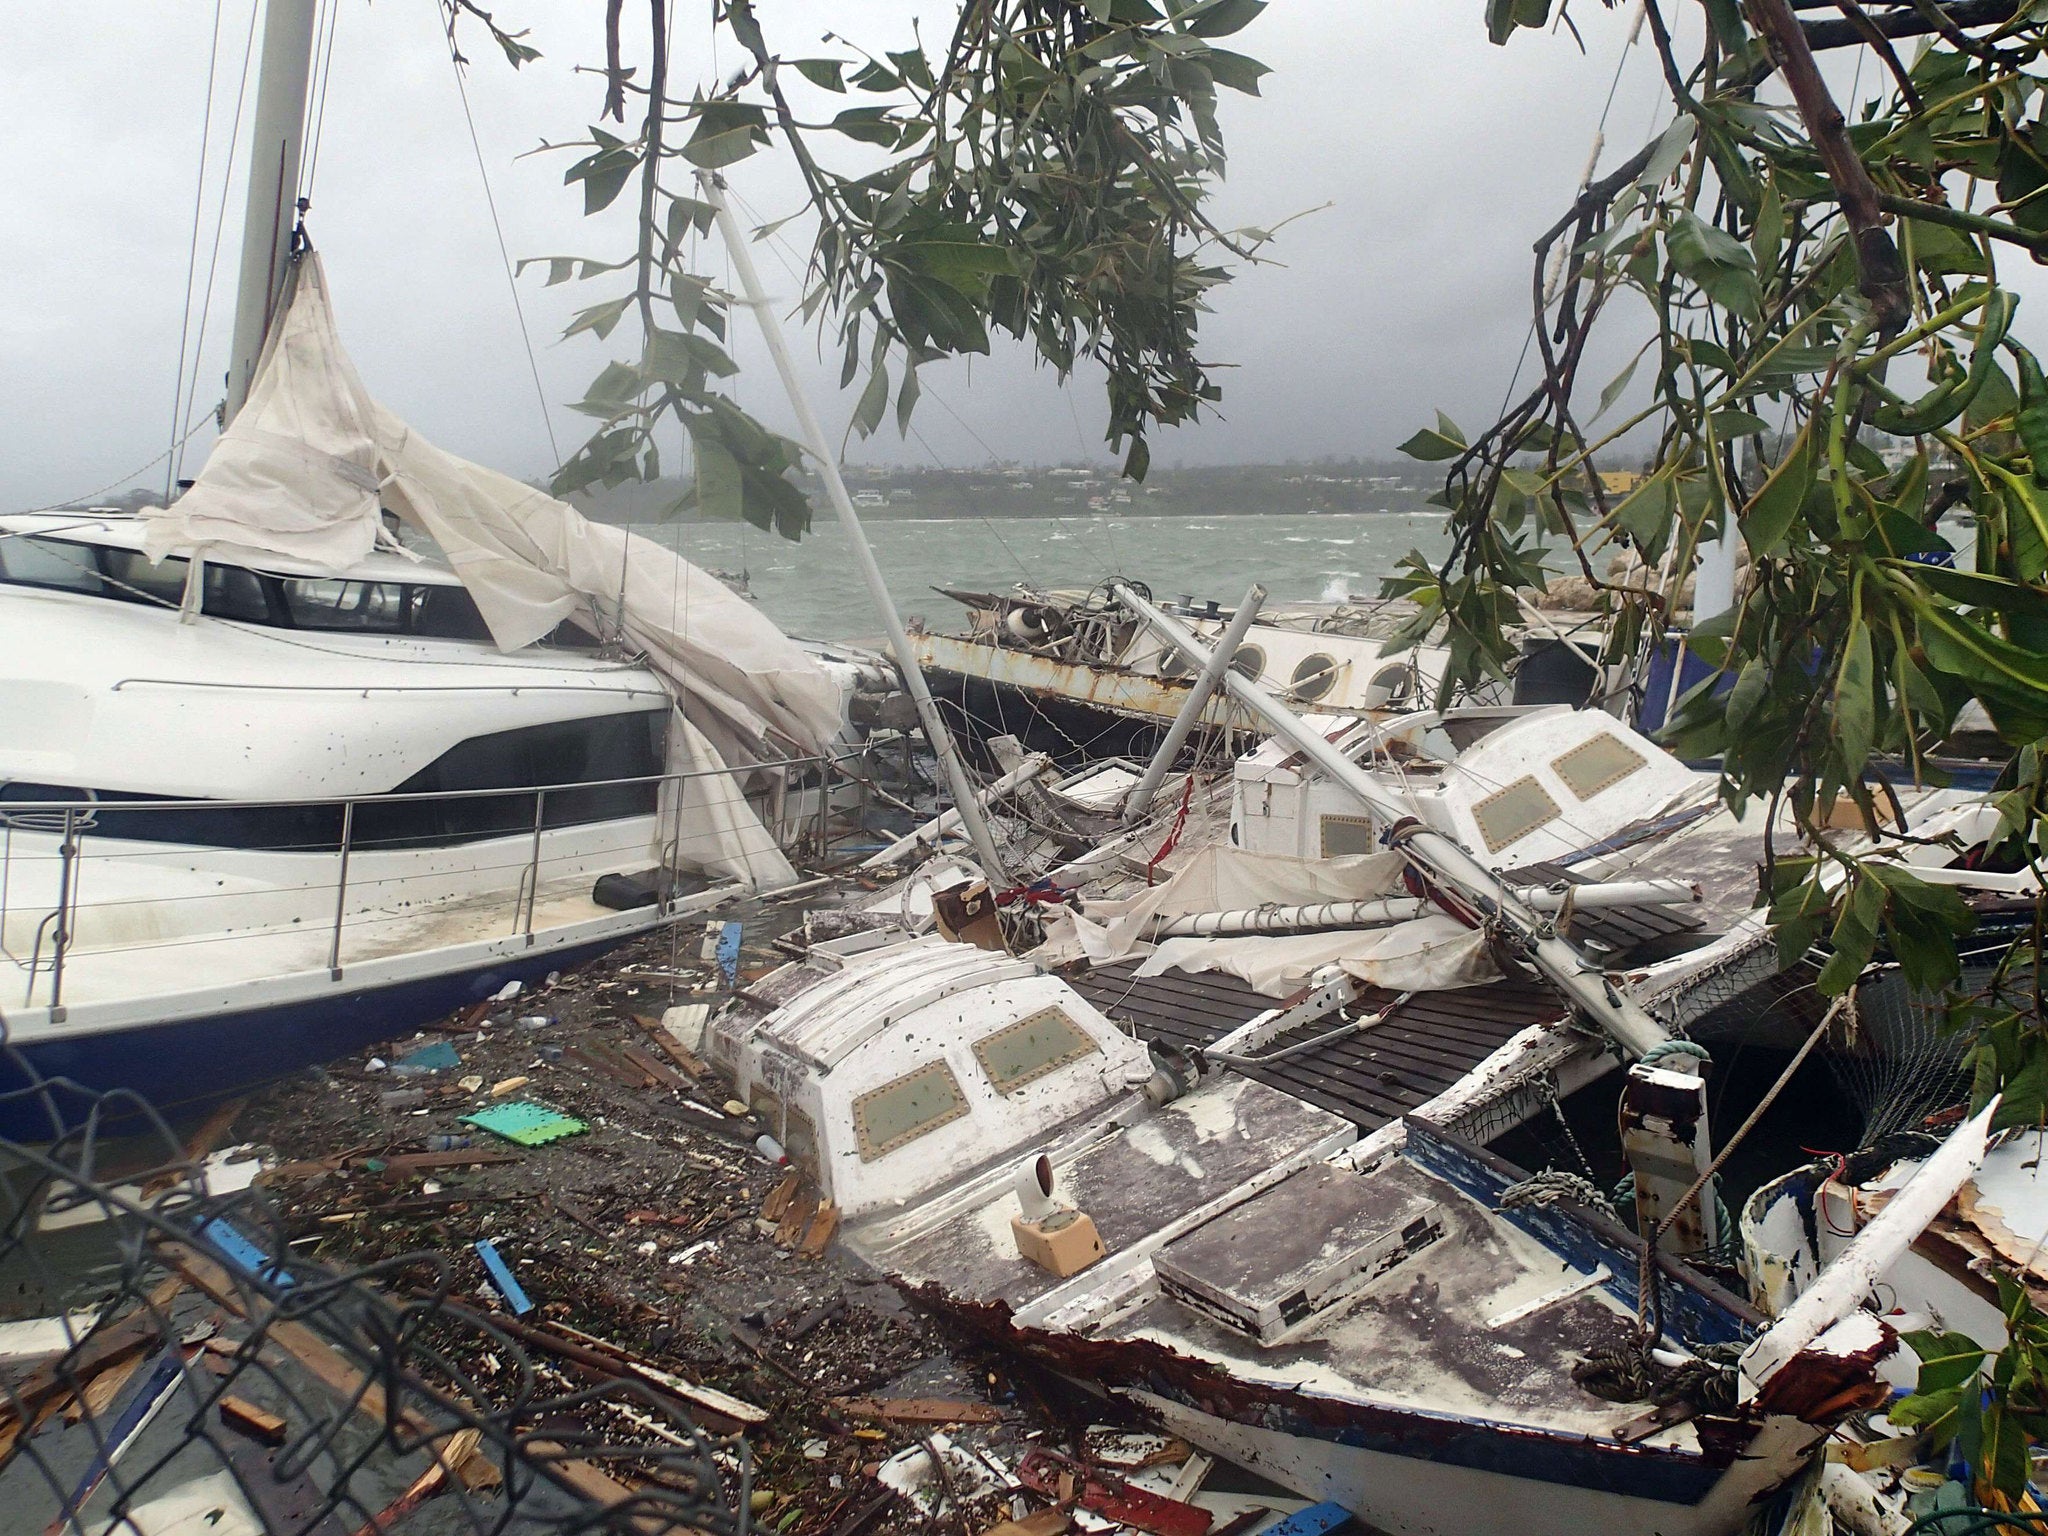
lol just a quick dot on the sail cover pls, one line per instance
(306, 469)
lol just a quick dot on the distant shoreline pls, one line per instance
(912, 512)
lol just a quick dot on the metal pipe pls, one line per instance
(1434, 855)
(68, 854)
(1139, 800)
(1597, 895)
(270, 213)
(348, 827)
(540, 810)
(935, 731)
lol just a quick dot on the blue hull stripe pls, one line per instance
(187, 1064)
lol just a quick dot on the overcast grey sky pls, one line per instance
(1441, 156)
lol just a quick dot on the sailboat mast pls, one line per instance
(942, 745)
(281, 84)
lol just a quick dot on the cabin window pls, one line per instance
(1173, 663)
(234, 593)
(1511, 814)
(1596, 765)
(1249, 661)
(1344, 836)
(27, 562)
(571, 753)
(1313, 676)
(440, 610)
(898, 1113)
(330, 603)
(1030, 1048)
(131, 574)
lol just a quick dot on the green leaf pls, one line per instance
(1235, 71)
(1731, 424)
(1855, 717)
(677, 355)
(1726, 17)
(868, 125)
(1946, 1359)
(1645, 513)
(1771, 512)
(1664, 159)
(1769, 234)
(727, 131)
(911, 66)
(603, 175)
(1615, 387)
(874, 400)
(599, 319)
(823, 73)
(1714, 259)
(2032, 421)
(906, 399)
(1445, 442)
(954, 255)
(1223, 17)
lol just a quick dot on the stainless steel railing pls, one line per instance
(73, 820)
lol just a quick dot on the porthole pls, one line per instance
(1173, 664)
(1250, 661)
(1313, 676)
(1390, 687)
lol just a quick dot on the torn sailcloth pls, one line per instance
(1436, 953)
(312, 461)
(1431, 953)
(1219, 878)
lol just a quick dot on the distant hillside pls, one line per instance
(1076, 491)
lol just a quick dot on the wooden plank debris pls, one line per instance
(796, 1218)
(240, 1414)
(780, 1197)
(823, 1225)
(671, 1047)
(663, 1074)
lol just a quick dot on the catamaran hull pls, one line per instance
(183, 1061)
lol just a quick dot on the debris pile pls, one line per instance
(551, 1196)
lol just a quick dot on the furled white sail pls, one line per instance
(312, 460)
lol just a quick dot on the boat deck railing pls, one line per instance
(793, 797)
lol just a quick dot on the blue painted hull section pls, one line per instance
(185, 1065)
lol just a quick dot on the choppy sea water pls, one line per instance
(811, 588)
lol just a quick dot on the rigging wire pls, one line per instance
(316, 117)
(192, 249)
(504, 255)
(220, 217)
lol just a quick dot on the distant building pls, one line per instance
(1619, 482)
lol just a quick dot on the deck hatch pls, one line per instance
(1597, 764)
(1030, 1048)
(1344, 836)
(899, 1112)
(1509, 815)
(1300, 1251)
